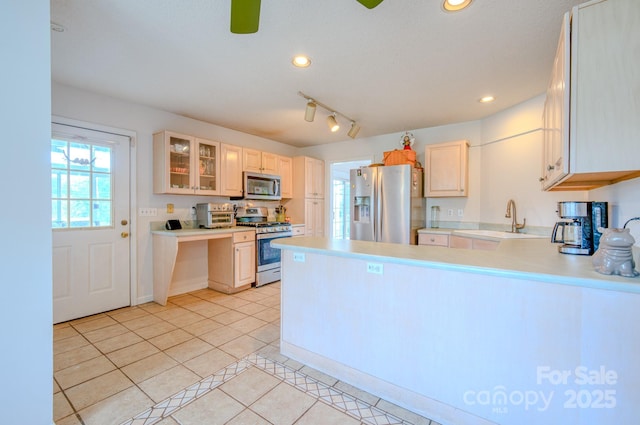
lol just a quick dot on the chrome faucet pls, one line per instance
(515, 227)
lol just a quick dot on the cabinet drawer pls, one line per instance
(244, 237)
(433, 239)
(461, 242)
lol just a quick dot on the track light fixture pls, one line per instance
(332, 120)
(333, 123)
(353, 131)
(310, 112)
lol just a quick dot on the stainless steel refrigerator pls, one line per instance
(387, 204)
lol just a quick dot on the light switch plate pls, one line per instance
(148, 212)
(375, 268)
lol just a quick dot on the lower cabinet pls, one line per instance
(235, 258)
(314, 219)
(298, 230)
(309, 211)
(455, 241)
(433, 239)
(472, 243)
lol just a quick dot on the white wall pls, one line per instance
(512, 165)
(374, 147)
(26, 313)
(89, 107)
(504, 162)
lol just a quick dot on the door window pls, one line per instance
(81, 184)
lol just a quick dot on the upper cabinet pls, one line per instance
(259, 162)
(185, 165)
(590, 120)
(556, 112)
(285, 171)
(230, 170)
(307, 205)
(308, 177)
(447, 169)
(270, 163)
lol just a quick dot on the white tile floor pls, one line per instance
(205, 358)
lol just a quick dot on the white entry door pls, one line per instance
(90, 221)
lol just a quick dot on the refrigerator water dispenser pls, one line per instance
(361, 210)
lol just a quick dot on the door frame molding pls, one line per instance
(133, 218)
(332, 165)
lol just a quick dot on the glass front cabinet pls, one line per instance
(185, 165)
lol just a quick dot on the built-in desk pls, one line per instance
(166, 244)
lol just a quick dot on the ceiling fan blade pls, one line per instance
(370, 4)
(245, 16)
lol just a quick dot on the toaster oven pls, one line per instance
(215, 216)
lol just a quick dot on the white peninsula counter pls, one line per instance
(519, 335)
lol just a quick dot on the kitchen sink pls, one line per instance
(497, 234)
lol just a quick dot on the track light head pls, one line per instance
(353, 131)
(310, 112)
(333, 123)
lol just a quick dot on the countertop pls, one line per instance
(202, 232)
(532, 259)
(486, 234)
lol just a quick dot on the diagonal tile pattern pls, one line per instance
(204, 358)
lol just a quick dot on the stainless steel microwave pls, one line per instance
(261, 186)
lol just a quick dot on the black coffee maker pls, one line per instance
(580, 235)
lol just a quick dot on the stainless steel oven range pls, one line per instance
(267, 257)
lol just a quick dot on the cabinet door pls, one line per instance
(556, 114)
(208, 161)
(433, 239)
(605, 71)
(446, 173)
(230, 170)
(314, 219)
(460, 242)
(314, 178)
(251, 160)
(319, 217)
(269, 163)
(173, 159)
(318, 179)
(244, 270)
(285, 171)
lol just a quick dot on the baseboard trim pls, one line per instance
(414, 402)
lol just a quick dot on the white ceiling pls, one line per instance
(404, 65)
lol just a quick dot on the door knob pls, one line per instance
(124, 222)
(124, 234)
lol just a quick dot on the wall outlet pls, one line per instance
(460, 212)
(298, 256)
(450, 212)
(148, 212)
(170, 208)
(375, 268)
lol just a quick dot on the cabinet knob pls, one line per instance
(550, 168)
(432, 239)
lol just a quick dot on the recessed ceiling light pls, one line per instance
(486, 99)
(301, 61)
(455, 5)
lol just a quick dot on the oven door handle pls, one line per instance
(278, 235)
